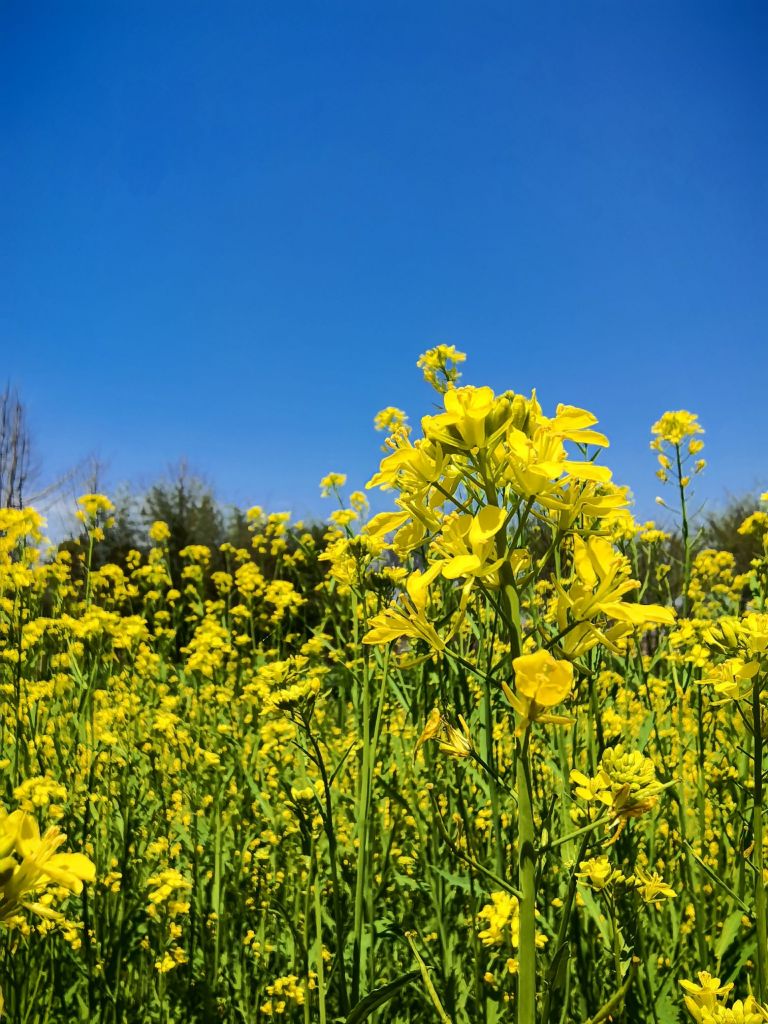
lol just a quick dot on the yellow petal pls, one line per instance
(462, 565)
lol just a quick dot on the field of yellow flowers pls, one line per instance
(492, 767)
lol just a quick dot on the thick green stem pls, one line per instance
(498, 835)
(526, 979)
(510, 607)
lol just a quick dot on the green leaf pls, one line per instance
(597, 916)
(379, 997)
(747, 950)
(645, 732)
(558, 968)
(728, 933)
(668, 1009)
(456, 880)
(409, 882)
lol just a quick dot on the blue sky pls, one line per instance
(228, 230)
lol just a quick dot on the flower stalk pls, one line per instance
(526, 987)
(761, 918)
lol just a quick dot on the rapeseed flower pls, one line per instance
(541, 682)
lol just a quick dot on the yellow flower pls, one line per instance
(573, 424)
(439, 366)
(754, 628)
(706, 1003)
(415, 470)
(728, 679)
(332, 482)
(467, 422)
(456, 742)
(409, 618)
(596, 872)
(747, 1011)
(705, 995)
(543, 678)
(469, 544)
(92, 504)
(392, 420)
(431, 729)
(675, 427)
(159, 532)
(30, 862)
(541, 682)
(756, 524)
(626, 783)
(652, 887)
(601, 581)
(164, 884)
(502, 917)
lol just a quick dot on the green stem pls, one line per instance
(526, 980)
(583, 831)
(717, 879)
(338, 915)
(616, 936)
(694, 877)
(88, 570)
(319, 965)
(498, 836)
(685, 532)
(558, 971)
(761, 919)
(501, 882)
(608, 1010)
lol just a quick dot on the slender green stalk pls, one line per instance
(307, 916)
(431, 991)
(319, 965)
(526, 979)
(498, 836)
(559, 970)
(684, 530)
(761, 918)
(327, 816)
(501, 882)
(362, 817)
(617, 941)
(717, 879)
(691, 864)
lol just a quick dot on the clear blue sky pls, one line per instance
(227, 230)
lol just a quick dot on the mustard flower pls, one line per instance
(675, 427)
(29, 862)
(439, 366)
(541, 682)
(332, 482)
(652, 887)
(455, 742)
(409, 618)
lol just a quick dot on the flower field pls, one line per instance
(494, 754)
